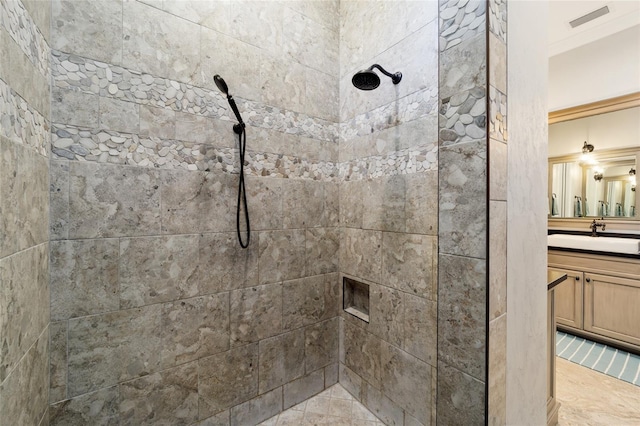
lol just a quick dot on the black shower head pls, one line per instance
(369, 80)
(222, 85)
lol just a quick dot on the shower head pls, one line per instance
(222, 85)
(369, 80)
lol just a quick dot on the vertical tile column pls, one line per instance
(498, 136)
(463, 213)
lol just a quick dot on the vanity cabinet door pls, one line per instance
(611, 307)
(568, 299)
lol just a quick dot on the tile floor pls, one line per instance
(334, 406)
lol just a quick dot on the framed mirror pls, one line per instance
(594, 152)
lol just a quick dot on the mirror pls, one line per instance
(600, 183)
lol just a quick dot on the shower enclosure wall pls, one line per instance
(136, 305)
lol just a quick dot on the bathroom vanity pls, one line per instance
(554, 279)
(600, 299)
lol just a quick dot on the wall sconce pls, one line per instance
(587, 148)
(597, 176)
(632, 172)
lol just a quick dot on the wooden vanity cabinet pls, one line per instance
(601, 297)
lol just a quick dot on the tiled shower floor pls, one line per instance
(334, 406)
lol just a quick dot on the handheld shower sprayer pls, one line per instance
(222, 86)
(238, 129)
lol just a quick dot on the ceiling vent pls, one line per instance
(589, 17)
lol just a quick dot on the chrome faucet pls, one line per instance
(595, 225)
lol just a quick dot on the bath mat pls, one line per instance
(596, 356)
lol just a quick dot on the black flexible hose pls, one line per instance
(242, 193)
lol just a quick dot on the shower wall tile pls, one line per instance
(84, 277)
(304, 201)
(463, 67)
(361, 253)
(351, 203)
(150, 43)
(220, 419)
(461, 398)
(169, 397)
(362, 354)
(463, 199)
(195, 328)
(497, 259)
(157, 122)
(119, 115)
(421, 203)
(157, 269)
(321, 344)
(321, 95)
(462, 314)
(99, 205)
(386, 314)
(402, 374)
(255, 313)
(284, 83)
(214, 15)
(113, 347)
(96, 408)
(57, 361)
(498, 19)
(24, 394)
(460, 22)
(384, 408)
(498, 63)
(303, 388)
(407, 263)
(25, 302)
(88, 28)
(281, 360)
(41, 15)
(203, 130)
(322, 250)
(282, 255)
(258, 409)
(227, 379)
(497, 170)
(383, 205)
(331, 374)
(74, 107)
(324, 13)
(420, 328)
(310, 300)
(224, 265)
(350, 381)
(498, 371)
(258, 23)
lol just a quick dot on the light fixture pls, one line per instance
(632, 172)
(587, 148)
(597, 176)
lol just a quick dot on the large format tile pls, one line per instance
(281, 360)
(420, 328)
(304, 203)
(309, 300)
(282, 255)
(24, 292)
(255, 313)
(384, 204)
(461, 398)
(57, 361)
(113, 201)
(361, 253)
(158, 269)
(351, 203)
(300, 389)
(88, 28)
(462, 314)
(264, 200)
(384, 408)
(323, 249)
(166, 398)
(99, 408)
(463, 67)
(321, 344)
(59, 200)
(227, 379)
(258, 409)
(497, 395)
(386, 313)
(24, 394)
(74, 108)
(110, 348)
(421, 206)
(463, 193)
(408, 263)
(195, 328)
(119, 116)
(497, 259)
(362, 353)
(157, 122)
(407, 381)
(84, 277)
(159, 43)
(224, 265)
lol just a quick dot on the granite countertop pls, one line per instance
(554, 278)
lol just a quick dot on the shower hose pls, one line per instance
(242, 193)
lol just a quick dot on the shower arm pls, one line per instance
(394, 77)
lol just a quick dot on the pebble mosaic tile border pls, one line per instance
(498, 115)
(498, 19)
(463, 117)
(15, 19)
(21, 123)
(89, 76)
(460, 20)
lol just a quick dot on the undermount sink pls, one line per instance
(586, 242)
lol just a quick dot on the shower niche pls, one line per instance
(355, 298)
